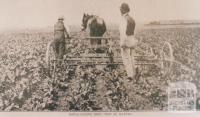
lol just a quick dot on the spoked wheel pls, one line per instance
(50, 58)
(167, 58)
(149, 51)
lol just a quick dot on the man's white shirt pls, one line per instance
(125, 40)
(122, 28)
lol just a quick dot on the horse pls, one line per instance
(96, 26)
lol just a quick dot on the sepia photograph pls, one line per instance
(99, 56)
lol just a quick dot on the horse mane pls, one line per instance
(90, 19)
(94, 17)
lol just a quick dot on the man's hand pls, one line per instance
(68, 37)
(123, 45)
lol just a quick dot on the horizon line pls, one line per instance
(179, 21)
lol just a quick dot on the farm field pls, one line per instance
(25, 84)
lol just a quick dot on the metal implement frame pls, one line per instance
(141, 60)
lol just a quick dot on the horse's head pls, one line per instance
(85, 20)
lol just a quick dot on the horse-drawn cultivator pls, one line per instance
(107, 53)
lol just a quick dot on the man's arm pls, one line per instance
(66, 33)
(123, 35)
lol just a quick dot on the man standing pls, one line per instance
(59, 38)
(127, 40)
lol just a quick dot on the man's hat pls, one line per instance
(125, 7)
(61, 18)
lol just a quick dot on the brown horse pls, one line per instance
(96, 26)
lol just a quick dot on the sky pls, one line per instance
(43, 13)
